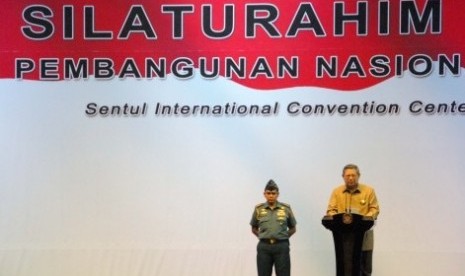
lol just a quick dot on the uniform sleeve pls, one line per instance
(254, 219)
(291, 221)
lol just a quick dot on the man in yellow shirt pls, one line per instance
(356, 198)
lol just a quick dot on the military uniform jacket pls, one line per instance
(273, 223)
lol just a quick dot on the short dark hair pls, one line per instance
(351, 167)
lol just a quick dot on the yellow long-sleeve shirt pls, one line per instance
(361, 201)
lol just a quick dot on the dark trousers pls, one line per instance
(366, 263)
(273, 254)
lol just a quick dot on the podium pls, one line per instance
(348, 232)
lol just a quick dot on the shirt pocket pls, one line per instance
(263, 224)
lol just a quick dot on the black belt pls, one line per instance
(273, 241)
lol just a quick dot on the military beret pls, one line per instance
(271, 185)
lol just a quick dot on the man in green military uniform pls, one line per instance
(273, 223)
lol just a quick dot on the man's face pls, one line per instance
(271, 196)
(351, 178)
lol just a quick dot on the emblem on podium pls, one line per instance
(347, 218)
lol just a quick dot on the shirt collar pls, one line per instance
(357, 190)
(267, 206)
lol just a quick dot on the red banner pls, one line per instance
(345, 45)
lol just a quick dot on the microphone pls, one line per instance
(348, 202)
